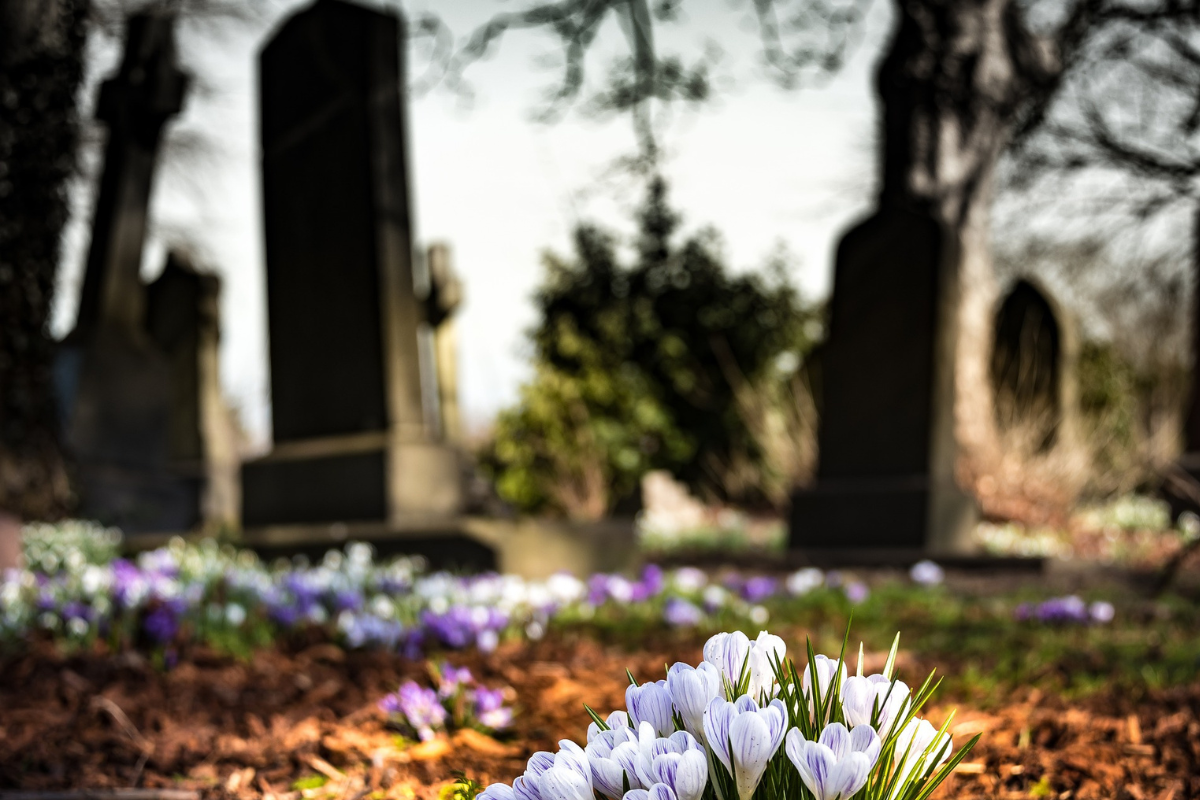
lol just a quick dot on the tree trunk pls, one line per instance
(954, 84)
(41, 65)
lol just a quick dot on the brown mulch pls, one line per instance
(242, 729)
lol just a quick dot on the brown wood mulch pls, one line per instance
(251, 729)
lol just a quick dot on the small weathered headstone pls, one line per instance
(1027, 366)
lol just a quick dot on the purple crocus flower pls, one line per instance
(680, 613)
(453, 679)
(418, 708)
(490, 709)
(758, 588)
(161, 624)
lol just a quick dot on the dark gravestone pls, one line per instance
(1182, 488)
(1026, 366)
(885, 476)
(114, 381)
(349, 424)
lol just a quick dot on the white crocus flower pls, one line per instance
(862, 696)
(836, 765)
(918, 743)
(826, 668)
(744, 738)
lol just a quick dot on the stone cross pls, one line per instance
(147, 90)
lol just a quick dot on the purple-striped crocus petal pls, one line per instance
(728, 653)
(608, 777)
(498, 791)
(601, 745)
(538, 763)
(526, 788)
(651, 702)
(836, 737)
(858, 701)
(636, 794)
(717, 718)
(813, 761)
(565, 783)
(692, 689)
(660, 791)
(750, 749)
(628, 756)
(865, 740)
(847, 777)
(686, 773)
(615, 721)
(573, 757)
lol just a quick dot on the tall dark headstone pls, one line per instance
(351, 438)
(114, 380)
(885, 476)
(1183, 491)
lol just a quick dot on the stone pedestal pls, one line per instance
(887, 452)
(352, 439)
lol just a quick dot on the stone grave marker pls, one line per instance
(352, 440)
(1032, 366)
(887, 452)
(114, 379)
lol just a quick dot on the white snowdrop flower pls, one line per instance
(565, 587)
(620, 589)
(759, 615)
(1101, 611)
(383, 607)
(803, 581)
(926, 573)
(689, 579)
(535, 630)
(715, 596)
(235, 614)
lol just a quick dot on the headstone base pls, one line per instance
(353, 479)
(882, 514)
(531, 548)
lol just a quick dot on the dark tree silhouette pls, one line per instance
(41, 66)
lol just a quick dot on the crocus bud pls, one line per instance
(691, 690)
(728, 653)
(826, 669)
(651, 702)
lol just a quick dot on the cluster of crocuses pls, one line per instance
(747, 722)
(1069, 610)
(457, 702)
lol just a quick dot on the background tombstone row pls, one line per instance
(365, 416)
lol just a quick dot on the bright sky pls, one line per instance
(764, 166)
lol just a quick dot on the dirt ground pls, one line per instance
(251, 729)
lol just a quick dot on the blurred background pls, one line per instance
(344, 343)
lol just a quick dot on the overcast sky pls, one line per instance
(766, 167)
